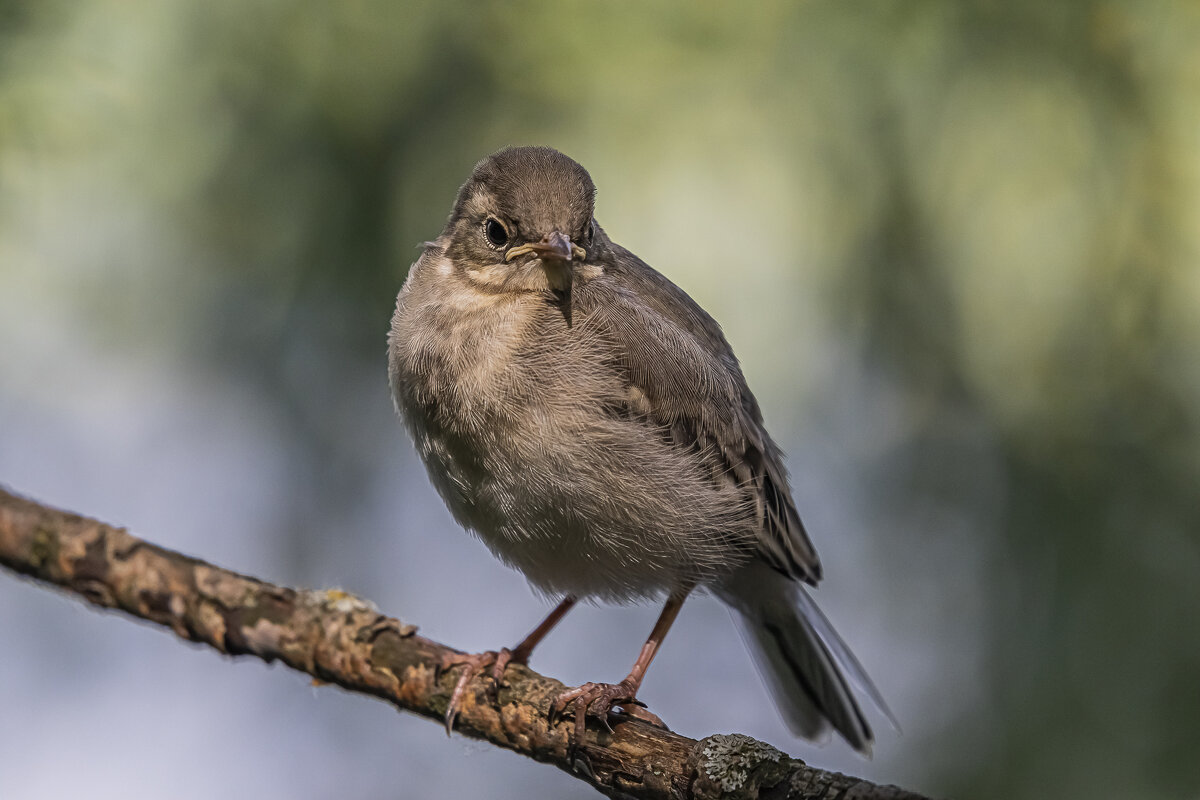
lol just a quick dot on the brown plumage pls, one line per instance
(589, 422)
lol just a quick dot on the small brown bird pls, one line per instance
(587, 419)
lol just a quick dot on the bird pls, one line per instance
(589, 422)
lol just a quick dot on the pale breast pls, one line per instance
(451, 352)
(516, 418)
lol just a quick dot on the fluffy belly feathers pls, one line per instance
(543, 497)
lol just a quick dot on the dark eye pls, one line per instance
(494, 230)
(590, 232)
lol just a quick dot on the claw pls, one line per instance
(475, 664)
(596, 699)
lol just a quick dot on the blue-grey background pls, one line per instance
(954, 244)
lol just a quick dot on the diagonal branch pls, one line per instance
(338, 638)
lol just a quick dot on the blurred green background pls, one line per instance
(954, 244)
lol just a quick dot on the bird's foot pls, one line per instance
(476, 664)
(598, 700)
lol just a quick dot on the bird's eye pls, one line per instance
(590, 232)
(495, 232)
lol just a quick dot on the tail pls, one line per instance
(803, 660)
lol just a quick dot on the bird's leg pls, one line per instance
(476, 663)
(599, 698)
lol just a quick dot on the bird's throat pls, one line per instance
(558, 274)
(559, 277)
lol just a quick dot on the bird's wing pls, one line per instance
(684, 377)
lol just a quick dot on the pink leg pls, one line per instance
(476, 663)
(599, 698)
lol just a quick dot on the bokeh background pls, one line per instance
(955, 245)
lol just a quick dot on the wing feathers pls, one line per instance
(684, 377)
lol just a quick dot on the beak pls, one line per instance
(556, 246)
(556, 252)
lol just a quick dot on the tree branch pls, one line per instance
(338, 638)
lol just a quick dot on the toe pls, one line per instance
(580, 719)
(475, 664)
(593, 699)
(503, 659)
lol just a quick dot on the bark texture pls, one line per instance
(338, 638)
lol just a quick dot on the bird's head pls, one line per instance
(523, 222)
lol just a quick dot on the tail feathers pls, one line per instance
(802, 657)
(842, 654)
